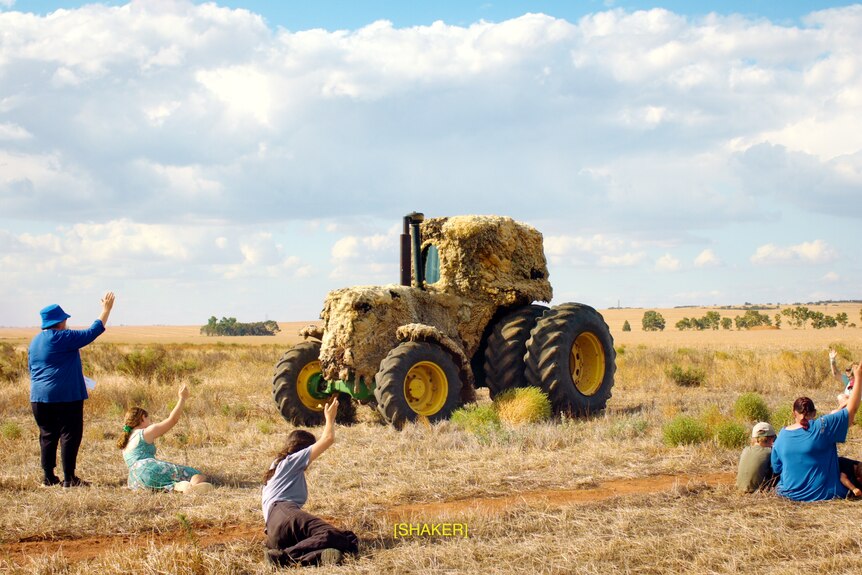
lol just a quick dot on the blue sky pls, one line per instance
(244, 158)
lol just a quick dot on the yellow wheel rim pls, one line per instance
(426, 388)
(311, 368)
(587, 361)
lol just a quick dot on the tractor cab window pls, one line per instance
(431, 257)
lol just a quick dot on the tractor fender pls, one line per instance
(312, 332)
(422, 332)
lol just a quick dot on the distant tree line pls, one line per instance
(229, 326)
(798, 317)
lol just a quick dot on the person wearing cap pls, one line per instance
(755, 471)
(58, 389)
(805, 454)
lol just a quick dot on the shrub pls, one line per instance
(686, 377)
(684, 430)
(783, 416)
(628, 428)
(155, 364)
(627, 326)
(731, 435)
(808, 370)
(523, 405)
(10, 430)
(13, 364)
(750, 407)
(712, 418)
(478, 419)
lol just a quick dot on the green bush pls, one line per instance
(783, 416)
(10, 430)
(686, 377)
(684, 430)
(750, 407)
(731, 435)
(627, 326)
(478, 419)
(523, 405)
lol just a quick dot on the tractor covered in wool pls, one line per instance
(463, 316)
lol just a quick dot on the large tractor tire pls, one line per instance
(571, 356)
(416, 379)
(296, 388)
(507, 345)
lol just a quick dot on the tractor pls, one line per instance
(463, 316)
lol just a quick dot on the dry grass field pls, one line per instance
(606, 494)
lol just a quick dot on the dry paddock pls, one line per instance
(599, 495)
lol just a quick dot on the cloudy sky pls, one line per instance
(235, 159)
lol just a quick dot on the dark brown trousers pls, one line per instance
(302, 537)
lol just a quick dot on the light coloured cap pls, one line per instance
(763, 429)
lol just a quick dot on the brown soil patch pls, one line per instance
(557, 497)
(91, 547)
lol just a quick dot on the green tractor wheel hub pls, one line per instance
(317, 386)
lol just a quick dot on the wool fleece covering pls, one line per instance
(487, 264)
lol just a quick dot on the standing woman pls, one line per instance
(805, 453)
(57, 388)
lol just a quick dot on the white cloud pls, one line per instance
(831, 277)
(185, 132)
(667, 263)
(369, 256)
(707, 258)
(13, 132)
(628, 259)
(814, 252)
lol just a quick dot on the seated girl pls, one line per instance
(139, 451)
(294, 537)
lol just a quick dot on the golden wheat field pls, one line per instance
(606, 494)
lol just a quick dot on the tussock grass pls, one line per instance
(523, 405)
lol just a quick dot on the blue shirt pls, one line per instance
(807, 460)
(55, 364)
(288, 482)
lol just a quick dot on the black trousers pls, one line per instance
(63, 423)
(302, 537)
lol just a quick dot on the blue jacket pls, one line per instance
(55, 364)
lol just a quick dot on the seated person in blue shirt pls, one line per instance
(294, 537)
(58, 390)
(805, 454)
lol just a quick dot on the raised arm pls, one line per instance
(856, 394)
(833, 355)
(328, 436)
(107, 305)
(156, 430)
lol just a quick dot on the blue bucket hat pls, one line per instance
(52, 315)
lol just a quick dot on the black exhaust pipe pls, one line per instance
(411, 244)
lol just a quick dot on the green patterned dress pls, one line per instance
(147, 472)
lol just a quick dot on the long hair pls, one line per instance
(804, 406)
(297, 440)
(133, 418)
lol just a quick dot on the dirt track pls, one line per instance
(91, 547)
